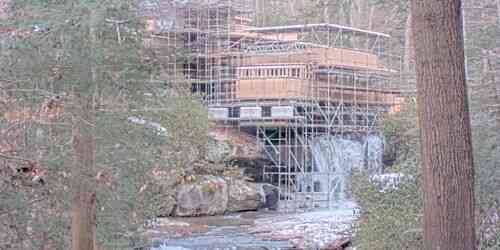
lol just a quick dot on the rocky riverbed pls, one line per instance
(318, 229)
(229, 212)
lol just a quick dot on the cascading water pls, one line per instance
(374, 146)
(334, 159)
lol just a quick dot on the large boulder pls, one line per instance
(244, 196)
(166, 206)
(162, 190)
(206, 196)
(240, 149)
(218, 150)
(252, 168)
(230, 144)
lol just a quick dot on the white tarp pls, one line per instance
(218, 113)
(250, 112)
(282, 112)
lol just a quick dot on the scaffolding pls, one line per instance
(287, 85)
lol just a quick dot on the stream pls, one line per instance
(256, 230)
(334, 159)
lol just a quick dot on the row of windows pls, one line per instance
(295, 72)
(234, 112)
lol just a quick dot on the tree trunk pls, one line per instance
(498, 12)
(347, 9)
(489, 82)
(444, 124)
(84, 199)
(370, 18)
(326, 13)
(408, 53)
(292, 8)
(261, 13)
(83, 225)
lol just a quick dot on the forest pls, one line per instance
(250, 124)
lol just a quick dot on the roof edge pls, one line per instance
(303, 27)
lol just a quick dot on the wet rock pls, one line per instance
(175, 228)
(206, 196)
(162, 188)
(339, 244)
(204, 167)
(270, 194)
(244, 196)
(320, 229)
(166, 206)
(252, 168)
(234, 144)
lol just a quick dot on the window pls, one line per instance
(317, 186)
(360, 119)
(234, 112)
(266, 111)
(347, 120)
(300, 111)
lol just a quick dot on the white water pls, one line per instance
(336, 157)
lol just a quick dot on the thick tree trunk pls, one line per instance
(83, 220)
(83, 225)
(84, 199)
(445, 125)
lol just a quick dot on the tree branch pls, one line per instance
(8, 157)
(116, 21)
(32, 202)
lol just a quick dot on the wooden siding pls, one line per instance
(321, 56)
(303, 89)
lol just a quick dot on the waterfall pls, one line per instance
(374, 153)
(335, 157)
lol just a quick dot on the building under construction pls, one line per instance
(286, 85)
